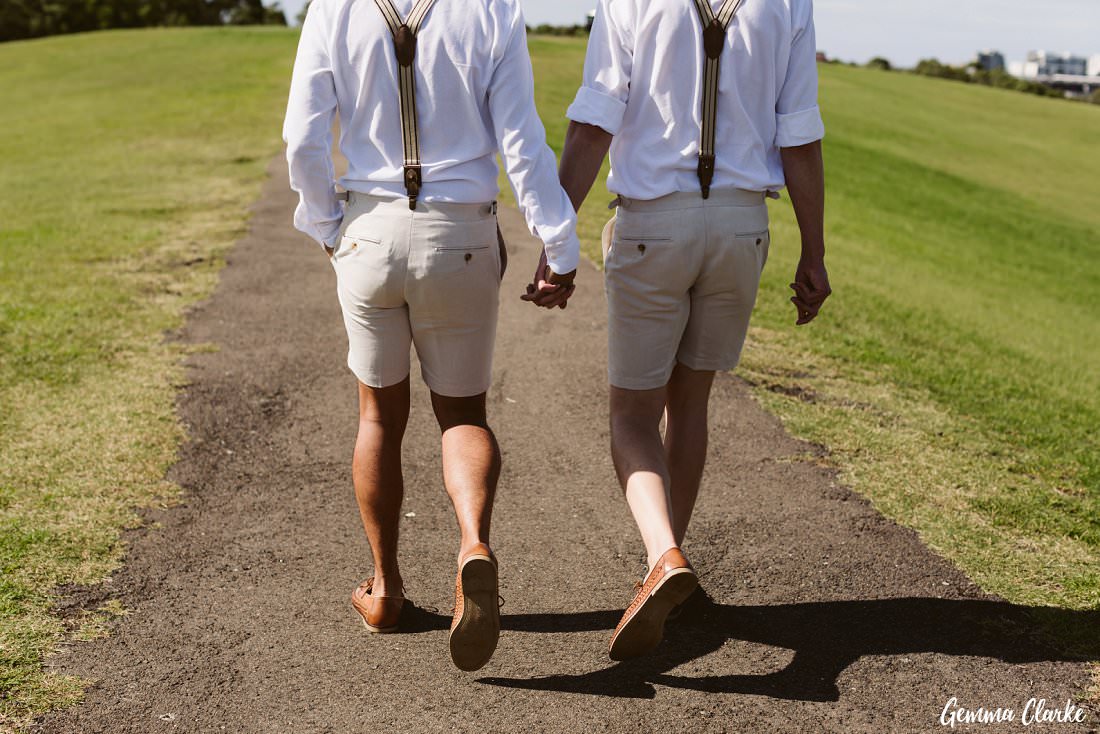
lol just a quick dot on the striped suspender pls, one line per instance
(404, 45)
(714, 40)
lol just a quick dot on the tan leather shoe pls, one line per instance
(379, 613)
(475, 628)
(643, 624)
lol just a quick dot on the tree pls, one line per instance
(880, 63)
(933, 67)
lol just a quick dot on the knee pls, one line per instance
(452, 412)
(631, 425)
(390, 423)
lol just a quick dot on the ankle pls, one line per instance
(653, 559)
(473, 545)
(388, 584)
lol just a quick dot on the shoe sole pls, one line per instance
(378, 630)
(474, 639)
(645, 630)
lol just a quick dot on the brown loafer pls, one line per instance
(379, 613)
(475, 628)
(643, 624)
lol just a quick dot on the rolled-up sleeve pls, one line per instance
(797, 115)
(601, 100)
(307, 131)
(528, 161)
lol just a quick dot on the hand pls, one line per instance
(811, 288)
(549, 289)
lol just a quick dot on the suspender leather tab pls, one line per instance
(714, 38)
(412, 183)
(705, 172)
(404, 45)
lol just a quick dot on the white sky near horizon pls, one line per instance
(905, 31)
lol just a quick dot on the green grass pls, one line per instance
(953, 375)
(129, 160)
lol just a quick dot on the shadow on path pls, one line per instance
(826, 638)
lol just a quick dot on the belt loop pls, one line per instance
(494, 211)
(616, 202)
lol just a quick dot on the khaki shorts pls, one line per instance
(681, 274)
(428, 277)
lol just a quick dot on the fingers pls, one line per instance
(809, 294)
(806, 312)
(808, 301)
(547, 295)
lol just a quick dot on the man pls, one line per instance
(692, 169)
(426, 95)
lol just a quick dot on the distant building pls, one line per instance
(822, 58)
(1094, 65)
(1045, 63)
(991, 60)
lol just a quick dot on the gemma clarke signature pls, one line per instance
(1037, 711)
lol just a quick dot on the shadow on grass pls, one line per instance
(826, 638)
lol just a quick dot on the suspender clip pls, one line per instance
(412, 184)
(706, 173)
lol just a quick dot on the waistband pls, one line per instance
(366, 203)
(694, 200)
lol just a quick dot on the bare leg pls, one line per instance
(376, 472)
(471, 464)
(686, 441)
(641, 466)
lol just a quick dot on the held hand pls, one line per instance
(547, 288)
(811, 288)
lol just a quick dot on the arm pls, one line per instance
(805, 174)
(799, 131)
(307, 132)
(595, 116)
(528, 161)
(585, 148)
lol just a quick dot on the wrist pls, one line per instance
(813, 250)
(562, 278)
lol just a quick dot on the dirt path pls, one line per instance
(826, 616)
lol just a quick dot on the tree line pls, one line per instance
(35, 18)
(973, 73)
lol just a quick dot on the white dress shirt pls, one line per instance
(474, 96)
(643, 84)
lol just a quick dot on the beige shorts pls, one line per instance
(428, 277)
(681, 274)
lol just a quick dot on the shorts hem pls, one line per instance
(710, 366)
(634, 383)
(453, 391)
(373, 380)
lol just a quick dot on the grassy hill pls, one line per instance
(953, 375)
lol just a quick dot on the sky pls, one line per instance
(905, 31)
